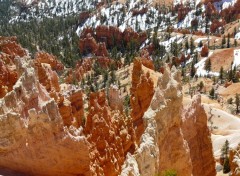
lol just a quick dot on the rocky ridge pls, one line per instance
(47, 129)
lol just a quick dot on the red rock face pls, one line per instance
(43, 57)
(8, 74)
(9, 46)
(136, 12)
(204, 51)
(141, 95)
(110, 35)
(88, 44)
(182, 11)
(8, 77)
(84, 16)
(231, 13)
(197, 134)
(101, 50)
(110, 134)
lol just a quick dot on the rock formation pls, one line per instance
(8, 77)
(142, 91)
(163, 145)
(43, 57)
(110, 134)
(194, 127)
(88, 44)
(33, 137)
(9, 46)
(47, 128)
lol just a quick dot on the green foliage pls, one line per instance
(193, 70)
(230, 101)
(54, 35)
(169, 173)
(224, 156)
(208, 65)
(226, 166)
(201, 85)
(237, 102)
(212, 93)
(221, 74)
(192, 46)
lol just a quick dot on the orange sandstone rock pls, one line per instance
(110, 134)
(197, 134)
(43, 57)
(141, 95)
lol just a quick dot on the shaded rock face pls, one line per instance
(8, 74)
(88, 44)
(110, 134)
(142, 91)
(234, 160)
(163, 145)
(110, 36)
(43, 57)
(9, 46)
(197, 135)
(34, 139)
(8, 77)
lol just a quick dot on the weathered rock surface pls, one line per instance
(110, 134)
(197, 134)
(42, 57)
(33, 137)
(142, 91)
(163, 145)
(10, 46)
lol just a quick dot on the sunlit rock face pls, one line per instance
(142, 91)
(48, 128)
(197, 135)
(164, 144)
(110, 134)
(34, 139)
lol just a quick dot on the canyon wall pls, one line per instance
(48, 128)
(164, 144)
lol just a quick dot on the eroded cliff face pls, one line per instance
(197, 135)
(142, 91)
(33, 137)
(47, 128)
(110, 134)
(163, 145)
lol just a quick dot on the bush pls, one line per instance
(169, 173)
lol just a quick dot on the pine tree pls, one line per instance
(221, 74)
(193, 70)
(237, 102)
(224, 156)
(192, 46)
(212, 93)
(223, 41)
(228, 41)
(208, 65)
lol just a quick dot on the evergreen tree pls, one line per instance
(193, 70)
(192, 46)
(228, 41)
(223, 41)
(221, 74)
(237, 102)
(208, 65)
(224, 156)
(212, 93)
